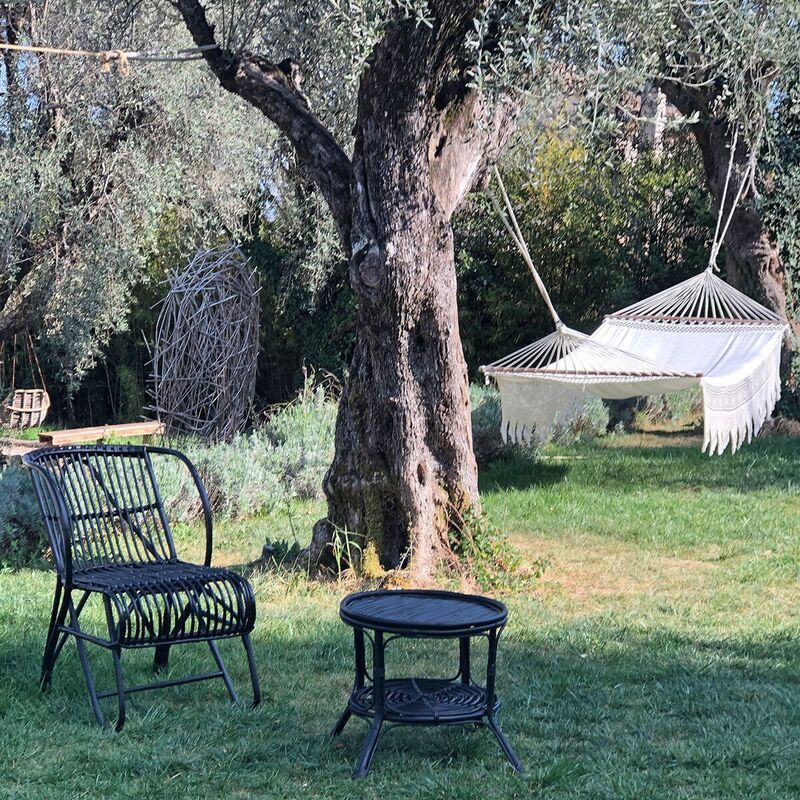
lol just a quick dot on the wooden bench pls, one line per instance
(145, 430)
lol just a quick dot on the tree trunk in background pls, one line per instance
(753, 260)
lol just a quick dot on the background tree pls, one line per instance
(96, 169)
(722, 65)
(388, 113)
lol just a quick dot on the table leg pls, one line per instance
(378, 688)
(494, 726)
(463, 659)
(361, 667)
(343, 719)
(361, 672)
(491, 720)
(491, 672)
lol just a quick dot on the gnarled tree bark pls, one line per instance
(403, 460)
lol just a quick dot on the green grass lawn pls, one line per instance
(658, 656)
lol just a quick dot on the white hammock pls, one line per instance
(702, 331)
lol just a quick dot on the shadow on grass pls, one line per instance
(522, 473)
(594, 710)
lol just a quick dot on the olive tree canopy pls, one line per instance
(96, 165)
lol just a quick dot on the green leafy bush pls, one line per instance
(487, 416)
(780, 205)
(22, 536)
(481, 553)
(681, 408)
(302, 435)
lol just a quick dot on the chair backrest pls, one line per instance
(107, 498)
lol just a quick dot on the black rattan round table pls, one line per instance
(384, 616)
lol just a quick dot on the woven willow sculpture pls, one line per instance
(204, 364)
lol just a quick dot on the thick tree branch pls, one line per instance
(276, 91)
(468, 137)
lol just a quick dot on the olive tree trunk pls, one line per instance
(403, 458)
(403, 464)
(403, 436)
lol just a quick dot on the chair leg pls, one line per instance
(48, 646)
(56, 620)
(87, 670)
(251, 665)
(225, 676)
(65, 634)
(116, 654)
(161, 657)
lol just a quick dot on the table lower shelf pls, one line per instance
(424, 701)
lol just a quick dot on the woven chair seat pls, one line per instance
(172, 600)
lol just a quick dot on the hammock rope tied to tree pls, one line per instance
(702, 331)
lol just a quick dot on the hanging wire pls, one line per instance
(120, 57)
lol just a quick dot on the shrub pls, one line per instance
(238, 478)
(302, 433)
(586, 426)
(680, 408)
(483, 555)
(22, 536)
(487, 417)
(283, 458)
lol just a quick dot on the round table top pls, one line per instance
(423, 612)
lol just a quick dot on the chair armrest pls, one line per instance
(201, 491)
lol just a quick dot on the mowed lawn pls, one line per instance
(657, 657)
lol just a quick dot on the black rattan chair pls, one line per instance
(110, 536)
